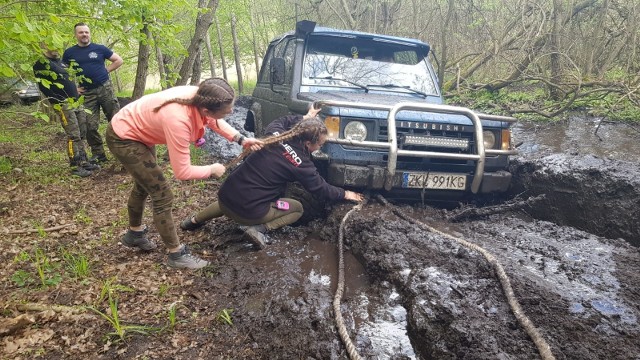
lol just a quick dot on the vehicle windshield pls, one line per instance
(354, 62)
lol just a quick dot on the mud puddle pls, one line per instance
(415, 294)
(579, 135)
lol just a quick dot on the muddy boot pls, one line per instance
(256, 235)
(84, 162)
(80, 171)
(183, 259)
(91, 167)
(189, 224)
(98, 159)
(75, 160)
(138, 239)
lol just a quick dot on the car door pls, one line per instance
(271, 99)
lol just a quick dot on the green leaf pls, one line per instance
(6, 71)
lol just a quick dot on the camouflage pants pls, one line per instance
(274, 219)
(141, 162)
(94, 99)
(73, 124)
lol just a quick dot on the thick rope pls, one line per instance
(267, 141)
(543, 347)
(342, 330)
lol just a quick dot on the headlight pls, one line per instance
(355, 130)
(489, 139)
(23, 91)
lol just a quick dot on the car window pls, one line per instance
(366, 61)
(265, 74)
(289, 55)
(283, 49)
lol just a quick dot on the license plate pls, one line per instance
(441, 181)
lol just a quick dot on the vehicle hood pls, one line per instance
(382, 98)
(372, 97)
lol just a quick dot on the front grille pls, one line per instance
(458, 142)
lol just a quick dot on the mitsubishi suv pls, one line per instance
(389, 129)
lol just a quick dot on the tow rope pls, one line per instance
(541, 344)
(342, 330)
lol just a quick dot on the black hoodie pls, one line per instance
(54, 71)
(262, 178)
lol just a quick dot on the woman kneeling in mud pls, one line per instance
(251, 195)
(175, 117)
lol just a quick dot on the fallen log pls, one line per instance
(27, 231)
(474, 212)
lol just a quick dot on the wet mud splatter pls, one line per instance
(414, 294)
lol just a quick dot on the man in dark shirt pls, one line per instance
(53, 81)
(87, 60)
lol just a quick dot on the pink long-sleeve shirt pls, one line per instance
(174, 124)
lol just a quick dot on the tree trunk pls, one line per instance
(143, 64)
(444, 58)
(554, 57)
(203, 22)
(196, 72)
(161, 68)
(212, 63)
(537, 43)
(236, 53)
(222, 61)
(254, 43)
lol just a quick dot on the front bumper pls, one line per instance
(374, 177)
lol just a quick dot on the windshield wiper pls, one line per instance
(391, 86)
(363, 87)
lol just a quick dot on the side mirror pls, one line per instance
(277, 71)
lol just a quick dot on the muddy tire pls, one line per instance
(314, 207)
(256, 111)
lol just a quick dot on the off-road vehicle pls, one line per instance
(388, 126)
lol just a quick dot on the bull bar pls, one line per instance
(392, 144)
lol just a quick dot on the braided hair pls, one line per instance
(213, 94)
(306, 130)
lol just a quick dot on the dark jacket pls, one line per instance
(54, 71)
(262, 178)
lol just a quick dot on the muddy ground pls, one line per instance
(412, 290)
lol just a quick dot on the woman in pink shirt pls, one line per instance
(176, 117)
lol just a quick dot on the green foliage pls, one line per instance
(163, 289)
(120, 330)
(224, 316)
(172, 315)
(22, 278)
(5, 165)
(81, 216)
(46, 273)
(77, 265)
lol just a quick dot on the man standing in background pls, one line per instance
(61, 93)
(87, 60)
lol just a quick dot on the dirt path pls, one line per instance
(410, 293)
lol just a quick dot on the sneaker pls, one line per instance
(138, 239)
(188, 224)
(91, 167)
(97, 159)
(184, 259)
(256, 237)
(80, 171)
